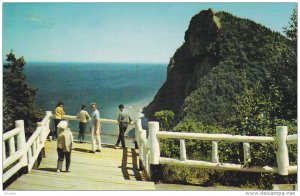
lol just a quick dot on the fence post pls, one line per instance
(41, 136)
(154, 151)
(182, 150)
(49, 115)
(138, 128)
(282, 152)
(21, 141)
(247, 156)
(215, 156)
(3, 151)
(11, 144)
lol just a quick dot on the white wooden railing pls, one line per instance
(150, 150)
(23, 153)
(102, 120)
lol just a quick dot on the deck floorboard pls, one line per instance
(110, 169)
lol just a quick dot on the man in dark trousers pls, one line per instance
(124, 119)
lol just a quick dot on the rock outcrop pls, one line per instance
(191, 61)
(220, 53)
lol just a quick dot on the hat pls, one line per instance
(62, 124)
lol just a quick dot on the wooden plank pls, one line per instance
(61, 181)
(112, 169)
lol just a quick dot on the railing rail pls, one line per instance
(102, 120)
(23, 154)
(153, 149)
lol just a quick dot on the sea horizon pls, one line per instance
(92, 62)
(107, 84)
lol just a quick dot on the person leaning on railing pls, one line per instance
(83, 116)
(59, 113)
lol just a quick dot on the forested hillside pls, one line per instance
(222, 57)
(233, 76)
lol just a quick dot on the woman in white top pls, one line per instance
(84, 116)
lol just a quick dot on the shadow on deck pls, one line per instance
(110, 169)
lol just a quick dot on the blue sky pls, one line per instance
(115, 32)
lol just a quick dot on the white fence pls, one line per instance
(150, 149)
(22, 153)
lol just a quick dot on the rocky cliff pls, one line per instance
(191, 61)
(205, 74)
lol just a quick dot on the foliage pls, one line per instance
(205, 90)
(291, 30)
(184, 175)
(18, 97)
(165, 118)
(248, 88)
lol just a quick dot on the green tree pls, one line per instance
(165, 118)
(291, 30)
(18, 97)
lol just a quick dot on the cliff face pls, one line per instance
(209, 70)
(191, 61)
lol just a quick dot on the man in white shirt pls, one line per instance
(95, 129)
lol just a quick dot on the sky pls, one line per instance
(115, 32)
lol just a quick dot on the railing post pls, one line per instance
(138, 128)
(11, 144)
(3, 151)
(39, 125)
(21, 141)
(182, 150)
(215, 156)
(282, 152)
(154, 151)
(247, 157)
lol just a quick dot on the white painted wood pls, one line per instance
(21, 141)
(3, 151)
(282, 152)
(153, 142)
(40, 125)
(247, 156)
(12, 171)
(293, 169)
(11, 133)
(138, 129)
(11, 144)
(182, 150)
(11, 159)
(215, 155)
(210, 165)
(34, 148)
(102, 120)
(292, 139)
(29, 155)
(214, 137)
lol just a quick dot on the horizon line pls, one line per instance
(77, 62)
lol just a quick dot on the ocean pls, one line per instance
(107, 84)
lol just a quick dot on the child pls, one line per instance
(64, 145)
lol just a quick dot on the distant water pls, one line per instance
(134, 85)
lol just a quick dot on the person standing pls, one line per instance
(64, 145)
(95, 129)
(59, 112)
(124, 119)
(83, 116)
